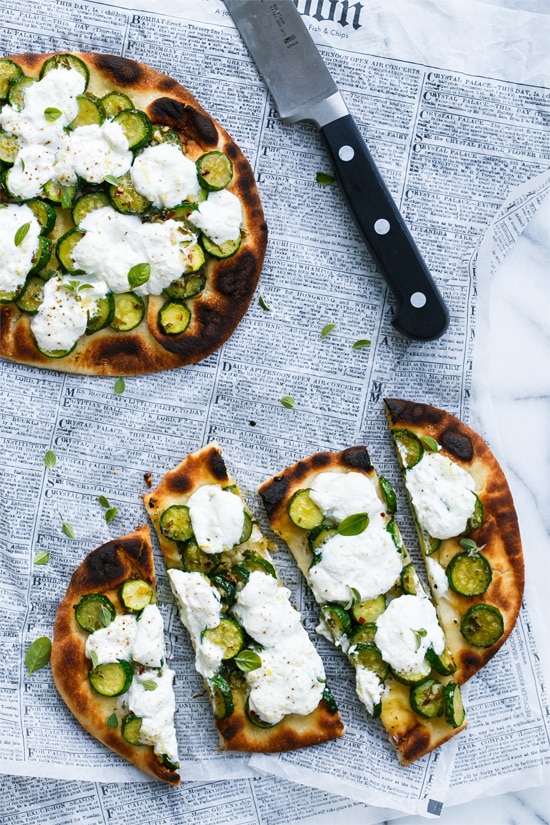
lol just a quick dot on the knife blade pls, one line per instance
(303, 89)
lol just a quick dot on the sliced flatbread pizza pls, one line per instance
(467, 527)
(264, 677)
(132, 235)
(108, 657)
(337, 518)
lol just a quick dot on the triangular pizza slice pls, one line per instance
(264, 677)
(108, 656)
(336, 516)
(467, 527)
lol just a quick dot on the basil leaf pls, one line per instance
(389, 494)
(288, 401)
(419, 635)
(324, 179)
(353, 525)
(21, 234)
(361, 344)
(112, 721)
(41, 557)
(150, 684)
(51, 114)
(103, 501)
(110, 514)
(139, 274)
(105, 616)
(50, 459)
(93, 657)
(120, 386)
(111, 179)
(263, 304)
(38, 654)
(247, 660)
(327, 329)
(471, 546)
(68, 529)
(66, 197)
(429, 443)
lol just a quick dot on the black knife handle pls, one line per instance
(420, 310)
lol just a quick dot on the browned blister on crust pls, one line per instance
(230, 282)
(102, 571)
(499, 535)
(236, 732)
(412, 736)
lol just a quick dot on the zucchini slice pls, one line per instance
(414, 678)
(131, 729)
(337, 620)
(469, 574)
(427, 698)
(174, 317)
(443, 663)
(409, 447)
(303, 512)
(175, 523)
(224, 250)
(135, 594)
(453, 706)
(103, 315)
(369, 657)
(88, 203)
(111, 678)
(65, 247)
(136, 126)
(214, 170)
(9, 72)
(228, 635)
(9, 148)
(195, 560)
(476, 519)
(389, 495)
(187, 285)
(222, 698)
(115, 102)
(42, 255)
(32, 295)
(129, 311)
(363, 634)
(16, 92)
(65, 61)
(44, 213)
(369, 610)
(482, 625)
(125, 197)
(94, 611)
(90, 112)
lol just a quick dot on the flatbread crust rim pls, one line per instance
(103, 570)
(410, 734)
(236, 732)
(231, 282)
(499, 535)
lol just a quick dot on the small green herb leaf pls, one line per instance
(263, 304)
(103, 501)
(51, 114)
(355, 597)
(471, 546)
(110, 514)
(50, 459)
(105, 616)
(111, 179)
(247, 660)
(139, 274)
(353, 525)
(66, 197)
(429, 443)
(21, 234)
(94, 658)
(362, 343)
(150, 684)
(68, 530)
(288, 401)
(327, 329)
(38, 654)
(112, 721)
(324, 179)
(120, 386)
(41, 557)
(419, 635)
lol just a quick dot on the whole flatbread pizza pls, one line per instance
(132, 235)
(108, 655)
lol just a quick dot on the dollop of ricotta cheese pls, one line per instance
(63, 315)
(114, 642)
(98, 150)
(114, 243)
(369, 687)
(442, 494)
(340, 495)
(165, 176)
(369, 562)
(148, 644)
(220, 216)
(16, 260)
(405, 630)
(199, 607)
(156, 708)
(217, 517)
(291, 678)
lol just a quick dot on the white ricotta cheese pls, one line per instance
(63, 315)
(95, 151)
(291, 678)
(369, 562)
(165, 176)
(15, 261)
(340, 495)
(220, 216)
(217, 517)
(113, 642)
(405, 630)
(114, 243)
(156, 708)
(148, 647)
(199, 608)
(369, 687)
(439, 579)
(442, 495)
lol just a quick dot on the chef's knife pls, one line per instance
(303, 89)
